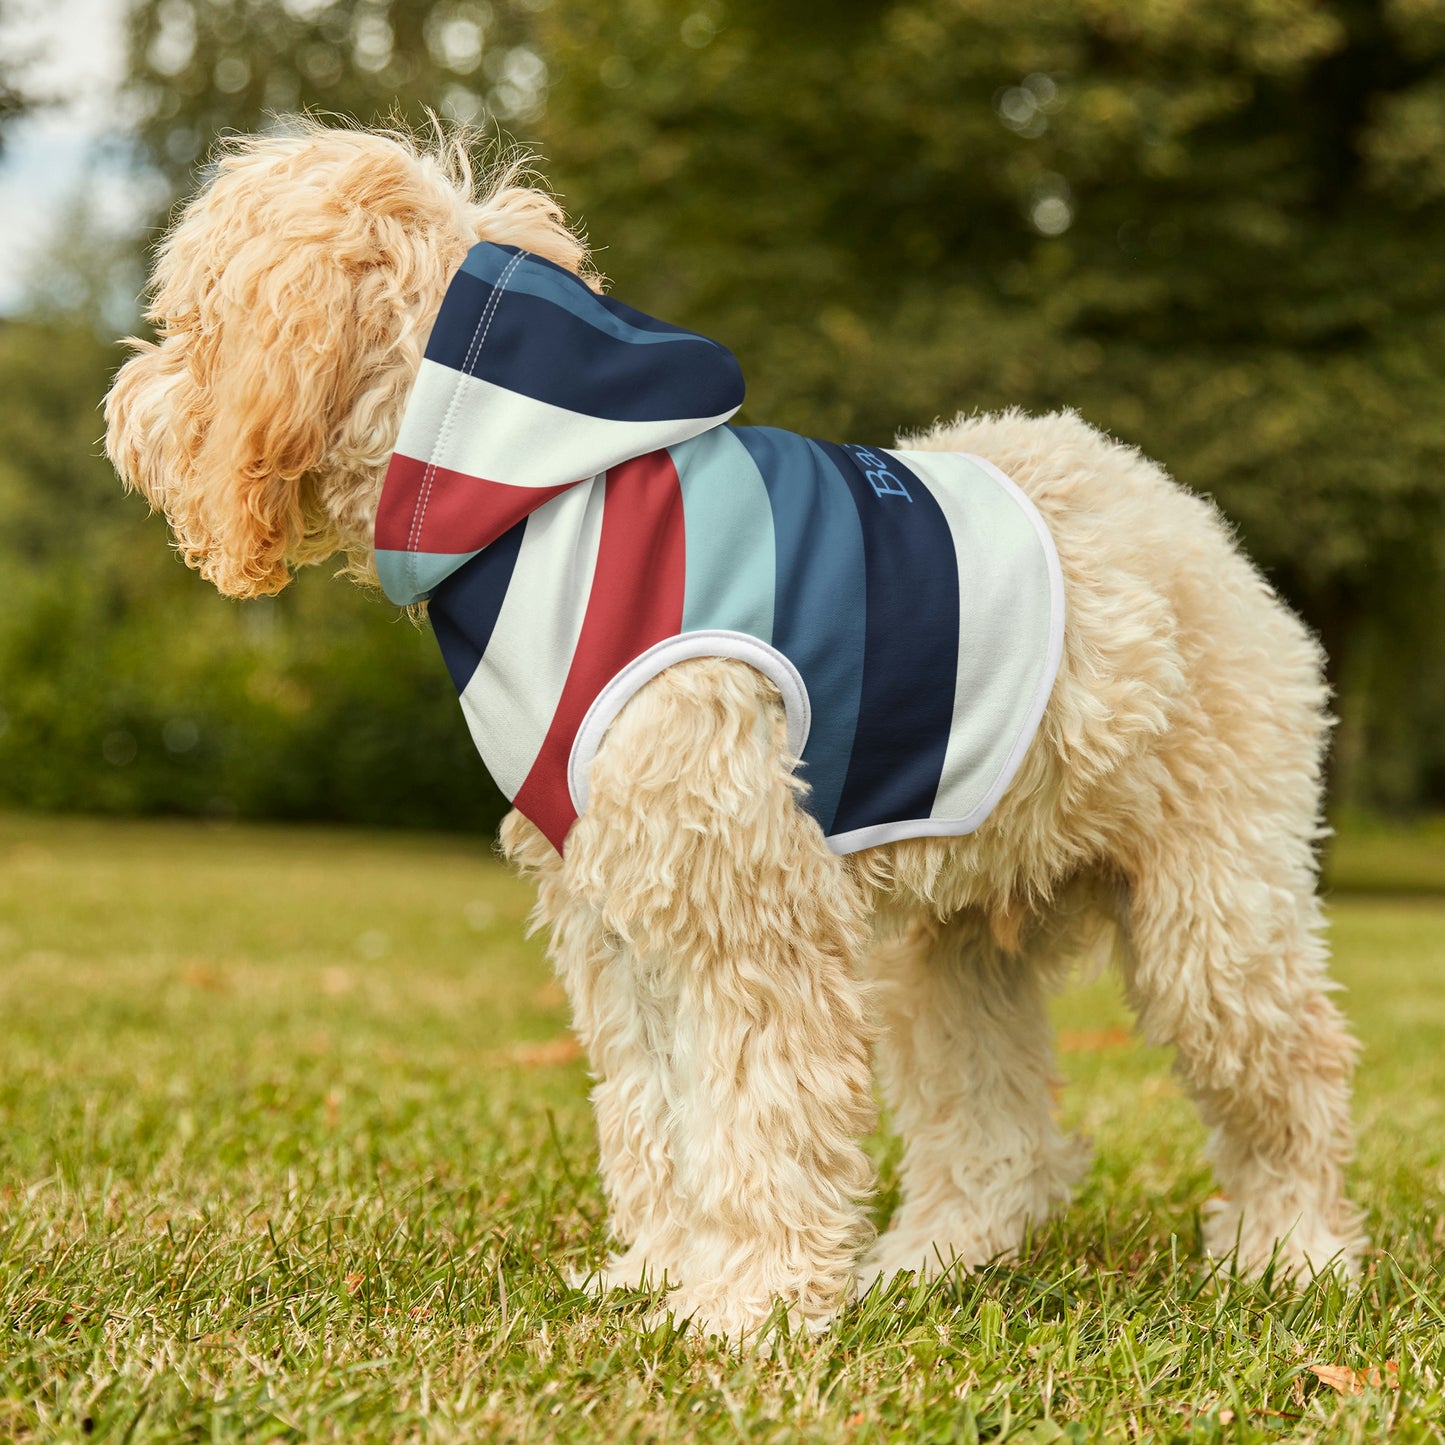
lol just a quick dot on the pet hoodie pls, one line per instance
(568, 496)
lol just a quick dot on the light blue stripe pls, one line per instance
(487, 263)
(407, 577)
(820, 598)
(730, 542)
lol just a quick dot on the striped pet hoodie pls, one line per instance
(568, 495)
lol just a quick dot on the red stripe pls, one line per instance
(431, 509)
(636, 601)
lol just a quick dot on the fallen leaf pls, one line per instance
(561, 1050)
(1092, 1041)
(1347, 1381)
(354, 1282)
(197, 973)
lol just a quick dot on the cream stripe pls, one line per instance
(514, 692)
(1010, 633)
(505, 437)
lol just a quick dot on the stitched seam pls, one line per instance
(474, 349)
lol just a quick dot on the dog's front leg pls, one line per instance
(622, 1012)
(742, 932)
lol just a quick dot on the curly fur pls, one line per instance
(729, 976)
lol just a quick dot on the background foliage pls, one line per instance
(1215, 227)
(14, 99)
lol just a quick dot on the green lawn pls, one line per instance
(292, 1146)
(1370, 856)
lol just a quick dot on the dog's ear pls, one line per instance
(292, 341)
(291, 302)
(268, 334)
(149, 413)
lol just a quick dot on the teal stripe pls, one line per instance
(407, 577)
(731, 551)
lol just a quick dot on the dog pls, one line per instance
(731, 975)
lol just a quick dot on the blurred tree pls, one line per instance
(1216, 227)
(127, 685)
(14, 99)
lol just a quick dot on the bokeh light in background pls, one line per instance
(70, 54)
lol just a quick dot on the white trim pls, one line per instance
(1055, 653)
(877, 833)
(711, 642)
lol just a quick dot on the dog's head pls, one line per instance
(292, 301)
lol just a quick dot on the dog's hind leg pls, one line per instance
(966, 1060)
(1228, 966)
(694, 853)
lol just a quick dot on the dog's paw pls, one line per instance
(961, 1248)
(633, 1270)
(966, 1228)
(925, 1261)
(1299, 1245)
(741, 1323)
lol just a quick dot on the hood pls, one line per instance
(531, 383)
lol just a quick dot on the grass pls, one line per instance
(292, 1146)
(1369, 855)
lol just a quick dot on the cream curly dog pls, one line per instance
(730, 976)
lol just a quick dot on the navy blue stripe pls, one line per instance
(464, 609)
(818, 621)
(910, 657)
(539, 349)
(538, 276)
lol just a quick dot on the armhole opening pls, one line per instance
(642, 669)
